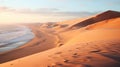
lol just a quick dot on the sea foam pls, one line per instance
(14, 36)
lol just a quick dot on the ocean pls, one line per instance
(14, 36)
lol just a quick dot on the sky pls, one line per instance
(17, 11)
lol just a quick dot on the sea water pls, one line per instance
(14, 36)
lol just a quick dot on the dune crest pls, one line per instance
(100, 17)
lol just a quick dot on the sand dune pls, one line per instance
(101, 17)
(92, 42)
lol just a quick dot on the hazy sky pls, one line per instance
(52, 10)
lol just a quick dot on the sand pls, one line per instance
(80, 44)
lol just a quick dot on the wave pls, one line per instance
(14, 36)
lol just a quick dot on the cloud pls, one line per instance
(48, 9)
(54, 12)
(37, 11)
(45, 11)
(6, 9)
(38, 15)
(78, 14)
(3, 8)
(28, 10)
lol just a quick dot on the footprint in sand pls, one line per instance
(75, 55)
(95, 51)
(69, 65)
(11, 64)
(58, 52)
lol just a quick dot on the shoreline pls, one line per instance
(25, 36)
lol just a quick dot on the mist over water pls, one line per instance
(13, 36)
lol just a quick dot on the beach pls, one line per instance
(12, 37)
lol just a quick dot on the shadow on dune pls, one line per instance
(101, 17)
(112, 56)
